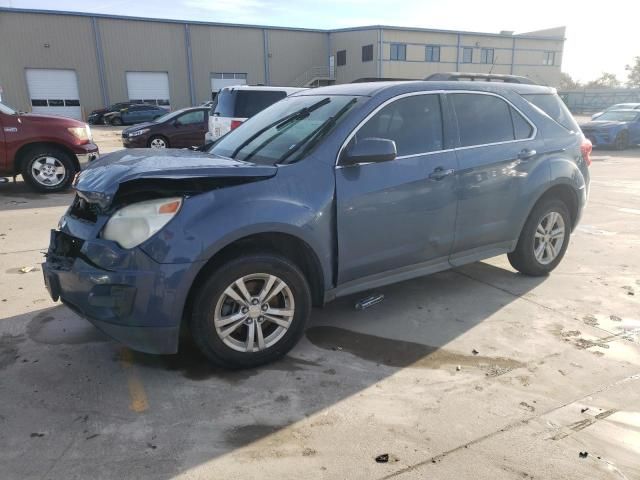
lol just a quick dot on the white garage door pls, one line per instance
(221, 80)
(54, 92)
(149, 87)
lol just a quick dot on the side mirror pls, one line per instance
(370, 150)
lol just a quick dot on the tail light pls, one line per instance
(586, 149)
(235, 124)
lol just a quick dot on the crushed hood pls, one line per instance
(100, 181)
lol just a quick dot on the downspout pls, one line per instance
(100, 61)
(513, 54)
(187, 42)
(380, 51)
(458, 55)
(265, 44)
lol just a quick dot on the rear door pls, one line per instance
(497, 151)
(189, 129)
(400, 213)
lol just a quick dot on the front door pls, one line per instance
(496, 156)
(398, 214)
(189, 129)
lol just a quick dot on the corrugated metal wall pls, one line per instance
(293, 52)
(352, 42)
(23, 44)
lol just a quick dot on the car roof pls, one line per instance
(398, 87)
(633, 110)
(289, 90)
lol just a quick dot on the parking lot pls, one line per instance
(477, 372)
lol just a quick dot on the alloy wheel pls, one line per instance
(158, 143)
(48, 171)
(254, 312)
(549, 238)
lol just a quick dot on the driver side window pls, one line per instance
(414, 123)
(191, 118)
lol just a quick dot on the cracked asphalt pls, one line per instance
(555, 373)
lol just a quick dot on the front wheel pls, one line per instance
(116, 121)
(251, 311)
(158, 142)
(544, 239)
(48, 169)
(622, 140)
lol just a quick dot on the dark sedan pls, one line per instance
(96, 117)
(134, 114)
(182, 128)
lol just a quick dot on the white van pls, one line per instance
(236, 104)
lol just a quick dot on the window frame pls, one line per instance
(484, 60)
(434, 48)
(370, 46)
(534, 128)
(549, 58)
(397, 45)
(467, 49)
(344, 54)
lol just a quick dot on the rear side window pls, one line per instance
(484, 119)
(246, 103)
(414, 123)
(552, 105)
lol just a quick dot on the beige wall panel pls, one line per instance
(353, 42)
(295, 52)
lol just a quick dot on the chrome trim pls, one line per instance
(434, 92)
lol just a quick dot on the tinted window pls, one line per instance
(551, 104)
(414, 123)
(521, 127)
(192, 118)
(432, 53)
(486, 55)
(482, 119)
(367, 53)
(38, 103)
(467, 55)
(341, 57)
(398, 51)
(246, 103)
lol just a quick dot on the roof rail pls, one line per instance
(381, 79)
(479, 77)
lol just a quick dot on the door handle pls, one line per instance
(527, 154)
(439, 173)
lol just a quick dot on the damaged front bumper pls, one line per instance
(124, 293)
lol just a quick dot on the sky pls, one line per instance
(601, 37)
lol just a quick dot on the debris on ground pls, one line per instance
(36, 434)
(615, 318)
(583, 454)
(386, 458)
(369, 301)
(582, 410)
(458, 368)
(475, 352)
(27, 269)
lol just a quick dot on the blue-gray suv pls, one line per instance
(329, 192)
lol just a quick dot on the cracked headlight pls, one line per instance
(135, 223)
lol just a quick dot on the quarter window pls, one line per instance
(341, 57)
(467, 55)
(432, 53)
(486, 55)
(484, 119)
(398, 51)
(367, 53)
(414, 123)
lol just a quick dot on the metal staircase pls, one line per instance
(315, 77)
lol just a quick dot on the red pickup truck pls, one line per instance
(46, 150)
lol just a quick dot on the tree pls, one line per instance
(568, 83)
(606, 80)
(633, 77)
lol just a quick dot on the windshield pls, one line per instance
(7, 110)
(286, 131)
(168, 116)
(618, 116)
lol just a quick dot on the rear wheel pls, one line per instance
(622, 140)
(544, 239)
(48, 169)
(116, 121)
(158, 142)
(251, 311)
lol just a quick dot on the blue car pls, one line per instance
(329, 192)
(617, 129)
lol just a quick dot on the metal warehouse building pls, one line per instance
(70, 63)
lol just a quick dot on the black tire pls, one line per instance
(116, 122)
(58, 182)
(201, 322)
(523, 257)
(158, 138)
(622, 140)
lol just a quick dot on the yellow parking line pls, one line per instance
(137, 394)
